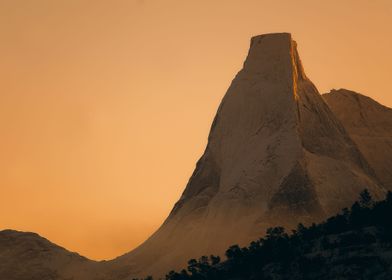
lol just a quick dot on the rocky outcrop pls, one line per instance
(370, 126)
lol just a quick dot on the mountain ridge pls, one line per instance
(370, 127)
(28, 256)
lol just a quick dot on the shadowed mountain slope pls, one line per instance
(370, 126)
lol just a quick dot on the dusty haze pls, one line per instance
(105, 106)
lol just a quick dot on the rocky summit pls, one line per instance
(278, 153)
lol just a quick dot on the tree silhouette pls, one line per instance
(297, 256)
(365, 199)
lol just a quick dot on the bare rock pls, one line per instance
(370, 126)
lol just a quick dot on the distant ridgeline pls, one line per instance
(355, 244)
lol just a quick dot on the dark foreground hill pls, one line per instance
(355, 244)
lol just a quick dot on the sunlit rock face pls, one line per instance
(276, 155)
(370, 126)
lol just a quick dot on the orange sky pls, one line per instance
(105, 106)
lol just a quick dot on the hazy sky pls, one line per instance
(105, 106)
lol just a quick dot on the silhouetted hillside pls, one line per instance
(355, 244)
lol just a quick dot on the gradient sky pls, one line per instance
(105, 106)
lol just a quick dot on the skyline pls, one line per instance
(106, 108)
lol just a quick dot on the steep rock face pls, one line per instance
(370, 126)
(276, 155)
(28, 256)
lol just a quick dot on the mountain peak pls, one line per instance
(274, 54)
(274, 153)
(273, 35)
